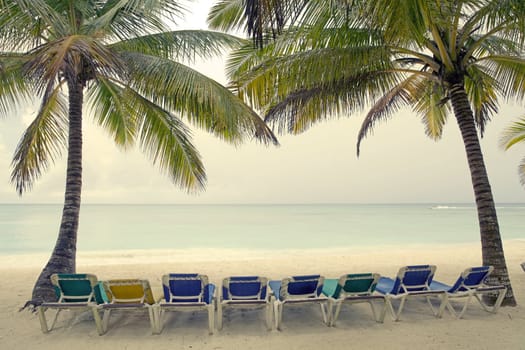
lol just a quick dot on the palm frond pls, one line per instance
(429, 100)
(201, 100)
(227, 15)
(399, 96)
(182, 45)
(42, 142)
(513, 134)
(14, 89)
(508, 74)
(481, 88)
(126, 19)
(110, 105)
(167, 142)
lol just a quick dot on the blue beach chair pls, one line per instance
(352, 289)
(410, 282)
(77, 292)
(471, 284)
(186, 292)
(245, 292)
(298, 290)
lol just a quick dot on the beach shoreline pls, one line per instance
(303, 328)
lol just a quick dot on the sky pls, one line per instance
(398, 162)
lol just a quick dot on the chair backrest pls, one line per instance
(186, 287)
(356, 284)
(472, 278)
(121, 291)
(307, 286)
(245, 288)
(74, 287)
(413, 278)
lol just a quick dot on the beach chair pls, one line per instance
(410, 282)
(76, 292)
(127, 295)
(471, 284)
(352, 289)
(523, 266)
(298, 290)
(245, 292)
(186, 292)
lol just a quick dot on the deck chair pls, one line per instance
(352, 289)
(245, 292)
(295, 290)
(471, 284)
(186, 292)
(127, 295)
(77, 292)
(410, 282)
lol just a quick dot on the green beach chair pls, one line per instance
(76, 292)
(352, 289)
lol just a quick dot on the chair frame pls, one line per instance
(402, 291)
(286, 298)
(462, 289)
(143, 302)
(80, 303)
(345, 297)
(257, 300)
(188, 302)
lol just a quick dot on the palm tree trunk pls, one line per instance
(491, 245)
(63, 257)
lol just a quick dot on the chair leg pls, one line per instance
(335, 316)
(324, 312)
(152, 318)
(211, 318)
(501, 296)
(443, 305)
(374, 312)
(105, 321)
(278, 310)
(42, 318)
(98, 320)
(397, 314)
(269, 316)
(219, 315)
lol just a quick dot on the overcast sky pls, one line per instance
(398, 163)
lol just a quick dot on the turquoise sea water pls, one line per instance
(34, 228)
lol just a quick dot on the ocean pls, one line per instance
(34, 228)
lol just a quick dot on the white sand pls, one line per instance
(302, 326)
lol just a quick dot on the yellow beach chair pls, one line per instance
(127, 295)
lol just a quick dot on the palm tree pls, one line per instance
(122, 60)
(512, 135)
(440, 58)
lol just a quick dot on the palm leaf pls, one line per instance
(183, 45)
(201, 100)
(167, 142)
(112, 110)
(42, 142)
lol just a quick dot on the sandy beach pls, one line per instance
(302, 326)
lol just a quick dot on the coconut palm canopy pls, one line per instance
(440, 58)
(123, 62)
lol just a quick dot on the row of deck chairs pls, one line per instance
(195, 292)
